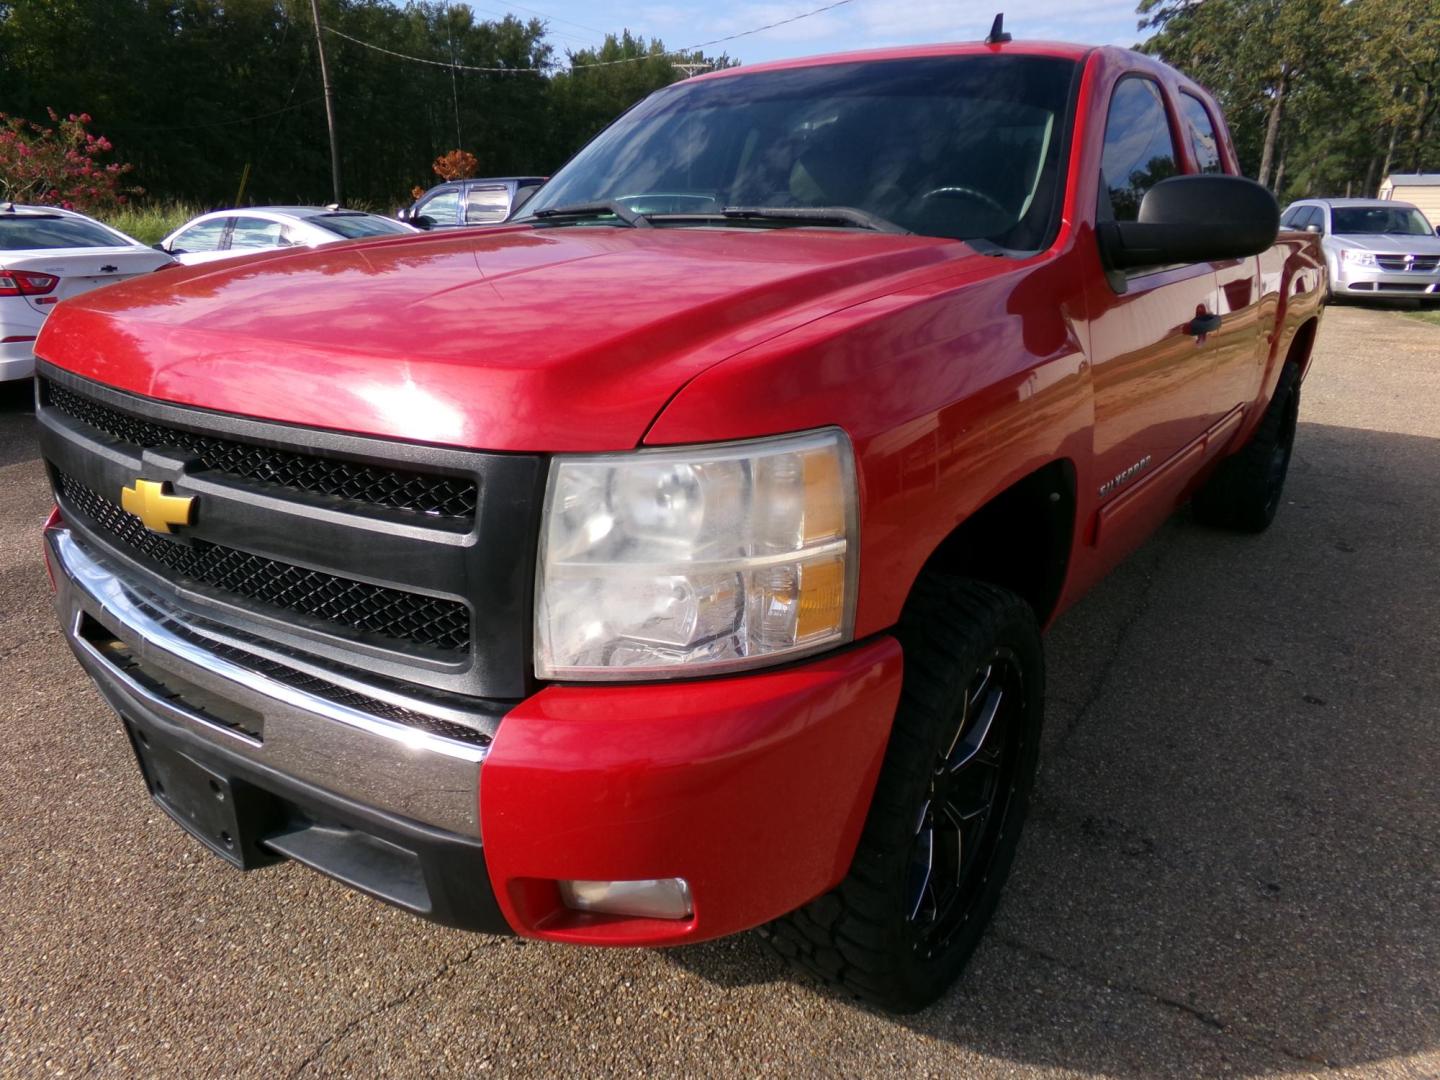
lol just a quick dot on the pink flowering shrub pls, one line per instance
(59, 165)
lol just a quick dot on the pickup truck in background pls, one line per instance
(672, 560)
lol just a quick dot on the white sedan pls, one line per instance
(225, 234)
(47, 254)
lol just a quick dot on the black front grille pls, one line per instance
(442, 496)
(354, 605)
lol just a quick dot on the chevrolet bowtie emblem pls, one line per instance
(157, 509)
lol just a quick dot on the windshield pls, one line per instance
(1390, 220)
(959, 146)
(24, 232)
(356, 226)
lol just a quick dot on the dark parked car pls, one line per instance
(458, 203)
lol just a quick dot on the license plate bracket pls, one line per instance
(225, 814)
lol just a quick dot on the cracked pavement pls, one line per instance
(1233, 865)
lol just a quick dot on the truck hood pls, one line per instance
(504, 339)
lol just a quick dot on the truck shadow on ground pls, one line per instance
(17, 421)
(1231, 860)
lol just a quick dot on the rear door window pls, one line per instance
(1139, 148)
(1200, 130)
(485, 205)
(255, 234)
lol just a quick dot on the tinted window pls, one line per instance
(1287, 219)
(1201, 132)
(203, 237)
(484, 205)
(253, 234)
(20, 232)
(1139, 149)
(1389, 220)
(964, 147)
(1313, 215)
(523, 194)
(442, 209)
(357, 226)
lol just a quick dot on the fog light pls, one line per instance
(654, 898)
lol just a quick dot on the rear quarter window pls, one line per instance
(1200, 130)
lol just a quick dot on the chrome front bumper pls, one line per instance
(403, 768)
(1370, 281)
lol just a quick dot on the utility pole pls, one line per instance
(329, 102)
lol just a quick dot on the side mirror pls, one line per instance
(1192, 219)
(422, 221)
(1312, 228)
(403, 214)
(162, 247)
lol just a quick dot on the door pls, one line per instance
(1239, 359)
(1156, 386)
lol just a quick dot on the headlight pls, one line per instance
(665, 563)
(1358, 258)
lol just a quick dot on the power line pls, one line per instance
(597, 63)
(433, 63)
(728, 37)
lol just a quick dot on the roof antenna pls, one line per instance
(998, 36)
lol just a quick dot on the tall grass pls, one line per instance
(150, 222)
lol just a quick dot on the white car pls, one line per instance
(225, 234)
(47, 254)
(1374, 248)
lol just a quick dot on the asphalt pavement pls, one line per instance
(1233, 865)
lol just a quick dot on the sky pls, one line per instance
(856, 24)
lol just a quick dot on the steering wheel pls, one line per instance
(967, 192)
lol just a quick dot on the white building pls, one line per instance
(1421, 189)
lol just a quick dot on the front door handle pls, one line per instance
(1202, 325)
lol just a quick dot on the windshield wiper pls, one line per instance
(608, 208)
(815, 215)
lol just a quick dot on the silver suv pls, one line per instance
(1373, 247)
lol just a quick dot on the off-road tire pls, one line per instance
(862, 936)
(1245, 491)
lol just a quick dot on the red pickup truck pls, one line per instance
(672, 560)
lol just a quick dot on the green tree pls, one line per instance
(1323, 97)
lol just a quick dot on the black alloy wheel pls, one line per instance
(945, 817)
(966, 805)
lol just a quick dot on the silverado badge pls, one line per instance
(157, 509)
